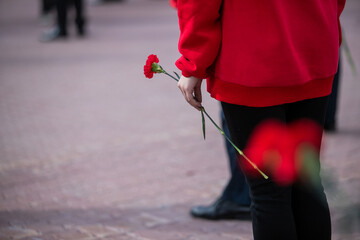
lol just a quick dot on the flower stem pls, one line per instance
(220, 130)
(237, 149)
(170, 76)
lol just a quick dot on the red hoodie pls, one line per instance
(261, 53)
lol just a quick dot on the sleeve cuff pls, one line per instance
(189, 69)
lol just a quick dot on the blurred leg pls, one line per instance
(310, 207)
(46, 6)
(330, 117)
(237, 189)
(61, 7)
(80, 19)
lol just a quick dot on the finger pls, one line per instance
(182, 90)
(192, 101)
(188, 96)
(198, 95)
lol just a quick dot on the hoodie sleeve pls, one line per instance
(200, 36)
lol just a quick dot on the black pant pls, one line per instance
(278, 212)
(237, 189)
(47, 6)
(62, 6)
(330, 117)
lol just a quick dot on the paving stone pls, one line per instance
(17, 232)
(100, 231)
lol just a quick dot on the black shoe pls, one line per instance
(222, 209)
(53, 34)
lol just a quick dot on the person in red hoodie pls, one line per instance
(265, 60)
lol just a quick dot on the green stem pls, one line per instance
(222, 132)
(170, 76)
(237, 149)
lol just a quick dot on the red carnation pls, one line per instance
(271, 148)
(151, 66)
(283, 150)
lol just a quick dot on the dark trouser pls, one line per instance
(237, 189)
(282, 212)
(47, 6)
(330, 117)
(62, 15)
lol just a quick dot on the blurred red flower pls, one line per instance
(148, 67)
(281, 149)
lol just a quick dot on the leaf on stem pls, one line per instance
(203, 121)
(177, 75)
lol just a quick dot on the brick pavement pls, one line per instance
(92, 150)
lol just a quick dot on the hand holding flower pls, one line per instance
(191, 89)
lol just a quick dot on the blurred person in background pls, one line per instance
(60, 31)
